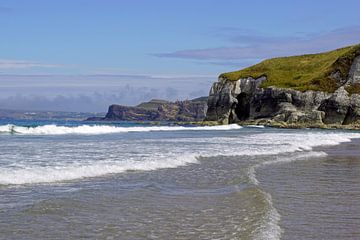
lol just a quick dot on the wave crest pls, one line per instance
(102, 129)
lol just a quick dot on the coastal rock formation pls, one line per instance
(249, 99)
(336, 107)
(229, 101)
(158, 110)
(354, 74)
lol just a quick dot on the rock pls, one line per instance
(311, 118)
(220, 102)
(158, 110)
(228, 101)
(265, 103)
(294, 117)
(336, 107)
(244, 100)
(353, 114)
(119, 112)
(96, 119)
(354, 74)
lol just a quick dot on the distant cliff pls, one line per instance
(158, 110)
(313, 90)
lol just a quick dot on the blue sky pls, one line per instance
(83, 55)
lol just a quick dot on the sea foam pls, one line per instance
(51, 174)
(102, 129)
(67, 160)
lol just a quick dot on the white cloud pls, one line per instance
(23, 64)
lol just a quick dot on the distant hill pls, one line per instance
(158, 110)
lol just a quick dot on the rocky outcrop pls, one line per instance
(245, 101)
(228, 101)
(158, 110)
(354, 74)
(310, 90)
(287, 105)
(336, 107)
(119, 112)
(353, 113)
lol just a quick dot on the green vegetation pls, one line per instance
(355, 88)
(153, 104)
(306, 72)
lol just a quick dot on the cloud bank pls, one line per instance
(94, 93)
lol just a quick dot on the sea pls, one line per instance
(126, 180)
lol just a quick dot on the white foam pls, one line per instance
(270, 228)
(103, 129)
(52, 174)
(71, 161)
(255, 126)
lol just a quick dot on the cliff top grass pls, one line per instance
(152, 104)
(305, 72)
(155, 103)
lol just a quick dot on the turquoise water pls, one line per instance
(71, 180)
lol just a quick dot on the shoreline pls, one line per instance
(276, 124)
(313, 183)
(272, 123)
(342, 150)
(259, 122)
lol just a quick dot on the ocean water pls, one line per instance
(75, 180)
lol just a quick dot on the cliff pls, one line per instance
(312, 90)
(158, 110)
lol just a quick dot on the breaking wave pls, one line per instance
(50, 174)
(40, 162)
(102, 129)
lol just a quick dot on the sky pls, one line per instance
(83, 55)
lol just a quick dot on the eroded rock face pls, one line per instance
(354, 74)
(353, 113)
(336, 107)
(227, 98)
(244, 100)
(287, 105)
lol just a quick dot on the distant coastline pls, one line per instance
(8, 114)
(158, 110)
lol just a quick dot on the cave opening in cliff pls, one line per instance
(242, 109)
